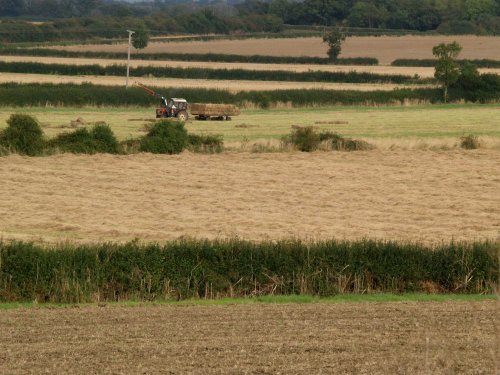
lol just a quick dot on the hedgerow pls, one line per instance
(212, 57)
(210, 269)
(483, 63)
(204, 73)
(35, 94)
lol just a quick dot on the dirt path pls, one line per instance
(407, 195)
(361, 338)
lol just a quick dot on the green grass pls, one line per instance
(425, 121)
(341, 298)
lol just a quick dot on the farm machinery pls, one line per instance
(178, 108)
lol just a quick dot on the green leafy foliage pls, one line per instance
(100, 139)
(205, 143)
(308, 139)
(201, 268)
(140, 38)
(483, 63)
(35, 94)
(205, 73)
(23, 135)
(447, 69)
(165, 137)
(215, 57)
(334, 39)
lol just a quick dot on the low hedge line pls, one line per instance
(484, 63)
(35, 94)
(212, 269)
(212, 57)
(203, 73)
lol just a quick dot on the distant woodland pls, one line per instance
(76, 19)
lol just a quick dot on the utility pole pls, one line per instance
(130, 32)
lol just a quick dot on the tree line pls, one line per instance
(73, 19)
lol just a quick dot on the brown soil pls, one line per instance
(408, 71)
(232, 86)
(408, 195)
(386, 48)
(354, 338)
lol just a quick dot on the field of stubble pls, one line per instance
(347, 338)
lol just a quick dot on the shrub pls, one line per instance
(339, 143)
(303, 138)
(470, 142)
(165, 137)
(100, 139)
(205, 143)
(23, 135)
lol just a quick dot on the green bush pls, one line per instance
(338, 143)
(165, 137)
(201, 268)
(483, 63)
(205, 143)
(100, 139)
(303, 139)
(23, 135)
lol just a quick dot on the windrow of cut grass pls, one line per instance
(228, 268)
(34, 94)
(211, 74)
(483, 63)
(212, 57)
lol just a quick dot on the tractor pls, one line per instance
(173, 107)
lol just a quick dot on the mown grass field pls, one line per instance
(384, 123)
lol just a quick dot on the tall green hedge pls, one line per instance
(202, 268)
(34, 94)
(483, 63)
(215, 57)
(204, 73)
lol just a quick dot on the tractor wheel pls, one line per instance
(182, 116)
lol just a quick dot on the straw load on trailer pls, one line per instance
(207, 111)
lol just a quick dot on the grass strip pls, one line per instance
(291, 299)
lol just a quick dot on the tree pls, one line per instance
(334, 39)
(447, 69)
(140, 38)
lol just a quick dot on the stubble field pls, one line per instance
(384, 48)
(347, 338)
(399, 195)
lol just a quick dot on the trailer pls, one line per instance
(209, 111)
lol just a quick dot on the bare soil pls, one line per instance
(350, 338)
(385, 48)
(399, 195)
(232, 86)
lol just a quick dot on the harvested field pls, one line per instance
(374, 338)
(232, 86)
(385, 48)
(398, 195)
(423, 72)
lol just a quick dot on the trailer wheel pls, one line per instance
(182, 115)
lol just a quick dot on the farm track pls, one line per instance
(347, 338)
(233, 86)
(399, 195)
(385, 48)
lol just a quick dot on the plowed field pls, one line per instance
(398, 195)
(350, 338)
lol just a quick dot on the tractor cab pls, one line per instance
(173, 107)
